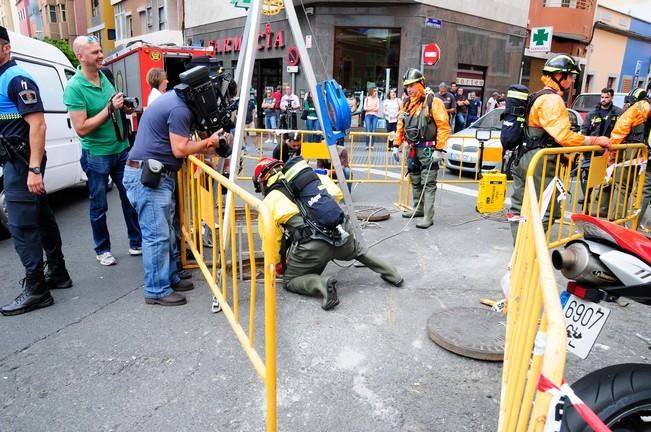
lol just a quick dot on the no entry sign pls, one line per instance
(431, 54)
(292, 56)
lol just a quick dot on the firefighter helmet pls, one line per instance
(636, 95)
(562, 63)
(412, 76)
(265, 168)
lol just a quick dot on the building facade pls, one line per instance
(101, 23)
(7, 15)
(58, 19)
(636, 66)
(364, 44)
(153, 21)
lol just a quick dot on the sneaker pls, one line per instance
(135, 251)
(107, 259)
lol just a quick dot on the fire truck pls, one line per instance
(130, 66)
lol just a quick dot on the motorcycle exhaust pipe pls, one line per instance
(577, 263)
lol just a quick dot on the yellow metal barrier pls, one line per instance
(614, 193)
(202, 202)
(536, 338)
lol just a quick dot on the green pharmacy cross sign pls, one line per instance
(241, 3)
(541, 39)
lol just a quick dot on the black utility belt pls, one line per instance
(152, 171)
(139, 164)
(13, 148)
(538, 147)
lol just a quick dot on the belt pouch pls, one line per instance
(151, 173)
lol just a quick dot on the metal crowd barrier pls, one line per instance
(240, 264)
(536, 338)
(612, 181)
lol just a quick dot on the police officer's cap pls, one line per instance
(4, 34)
(636, 95)
(562, 63)
(412, 76)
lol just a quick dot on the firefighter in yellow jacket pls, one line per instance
(424, 125)
(303, 249)
(634, 127)
(548, 125)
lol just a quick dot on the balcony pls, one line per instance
(571, 19)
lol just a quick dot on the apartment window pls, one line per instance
(62, 11)
(162, 18)
(129, 26)
(120, 20)
(94, 7)
(572, 4)
(53, 14)
(150, 17)
(143, 22)
(611, 82)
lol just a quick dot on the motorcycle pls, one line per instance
(609, 262)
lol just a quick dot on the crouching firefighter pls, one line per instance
(424, 125)
(311, 229)
(22, 158)
(547, 125)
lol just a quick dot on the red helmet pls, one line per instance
(265, 168)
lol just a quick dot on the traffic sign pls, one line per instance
(541, 39)
(292, 69)
(292, 56)
(431, 54)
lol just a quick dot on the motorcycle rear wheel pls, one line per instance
(620, 395)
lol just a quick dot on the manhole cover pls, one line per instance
(371, 213)
(470, 332)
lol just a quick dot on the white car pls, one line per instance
(463, 148)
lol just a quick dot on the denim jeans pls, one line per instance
(371, 124)
(98, 169)
(155, 208)
(312, 124)
(271, 121)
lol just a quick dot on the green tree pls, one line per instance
(64, 46)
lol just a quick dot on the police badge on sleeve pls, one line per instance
(27, 95)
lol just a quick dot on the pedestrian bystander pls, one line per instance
(289, 106)
(157, 81)
(391, 110)
(371, 109)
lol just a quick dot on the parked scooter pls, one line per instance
(609, 262)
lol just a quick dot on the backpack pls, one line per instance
(305, 186)
(514, 117)
(249, 110)
(420, 127)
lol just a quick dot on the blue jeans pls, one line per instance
(312, 124)
(98, 169)
(155, 208)
(371, 123)
(271, 121)
(460, 122)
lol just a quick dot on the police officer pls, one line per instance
(31, 221)
(309, 252)
(424, 125)
(548, 125)
(634, 126)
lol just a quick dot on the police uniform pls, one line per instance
(308, 255)
(31, 220)
(634, 127)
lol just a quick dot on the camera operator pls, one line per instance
(164, 139)
(289, 106)
(93, 106)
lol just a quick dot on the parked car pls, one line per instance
(463, 148)
(51, 70)
(586, 102)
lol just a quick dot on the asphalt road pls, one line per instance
(102, 360)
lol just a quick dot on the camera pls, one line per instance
(210, 97)
(131, 102)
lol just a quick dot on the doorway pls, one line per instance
(266, 73)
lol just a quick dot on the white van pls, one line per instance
(51, 70)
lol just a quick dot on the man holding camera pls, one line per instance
(93, 106)
(22, 159)
(164, 139)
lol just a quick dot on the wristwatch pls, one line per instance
(35, 170)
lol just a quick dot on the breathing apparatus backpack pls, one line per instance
(514, 117)
(318, 208)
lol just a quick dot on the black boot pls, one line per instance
(57, 277)
(330, 299)
(35, 295)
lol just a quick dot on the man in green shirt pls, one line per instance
(92, 101)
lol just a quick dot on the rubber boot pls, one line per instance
(314, 285)
(57, 277)
(418, 210)
(330, 299)
(35, 295)
(428, 209)
(387, 271)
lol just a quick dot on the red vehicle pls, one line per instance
(131, 64)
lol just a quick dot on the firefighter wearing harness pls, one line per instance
(311, 229)
(424, 125)
(548, 125)
(634, 126)
(22, 158)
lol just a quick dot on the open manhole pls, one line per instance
(371, 213)
(478, 333)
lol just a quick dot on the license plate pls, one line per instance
(583, 321)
